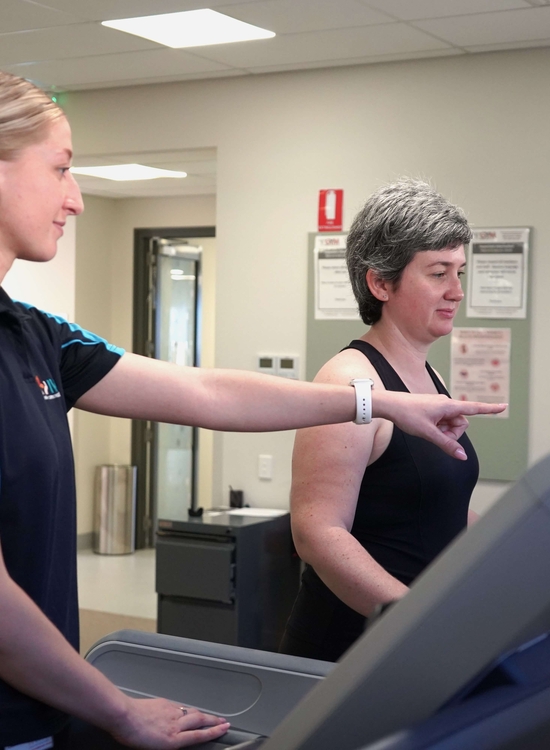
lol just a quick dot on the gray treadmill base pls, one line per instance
(254, 690)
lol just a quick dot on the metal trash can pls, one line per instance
(115, 509)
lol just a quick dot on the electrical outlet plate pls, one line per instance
(265, 466)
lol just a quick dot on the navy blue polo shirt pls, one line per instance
(46, 364)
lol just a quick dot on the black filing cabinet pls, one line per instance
(226, 578)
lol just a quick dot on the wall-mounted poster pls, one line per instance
(333, 293)
(497, 273)
(480, 365)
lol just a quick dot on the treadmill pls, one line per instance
(463, 661)
(253, 689)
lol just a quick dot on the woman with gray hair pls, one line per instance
(372, 507)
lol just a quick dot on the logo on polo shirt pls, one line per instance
(48, 387)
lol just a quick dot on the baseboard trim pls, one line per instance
(84, 541)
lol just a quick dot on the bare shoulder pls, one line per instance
(345, 366)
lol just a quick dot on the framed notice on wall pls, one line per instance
(334, 298)
(497, 273)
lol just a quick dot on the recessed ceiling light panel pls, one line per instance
(192, 28)
(127, 172)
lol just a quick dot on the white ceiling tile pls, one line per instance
(117, 69)
(491, 28)
(199, 163)
(408, 10)
(19, 15)
(104, 10)
(324, 46)
(65, 42)
(289, 16)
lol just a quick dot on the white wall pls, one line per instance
(476, 125)
(49, 286)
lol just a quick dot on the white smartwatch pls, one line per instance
(363, 399)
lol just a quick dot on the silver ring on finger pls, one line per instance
(184, 711)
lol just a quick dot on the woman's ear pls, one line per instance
(379, 288)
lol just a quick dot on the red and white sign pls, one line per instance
(331, 203)
(480, 365)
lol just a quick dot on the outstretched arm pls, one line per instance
(38, 661)
(234, 400)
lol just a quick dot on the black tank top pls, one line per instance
(412, 502)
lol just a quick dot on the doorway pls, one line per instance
(168, 317)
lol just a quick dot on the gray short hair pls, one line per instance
(26, 113)
(396, 222)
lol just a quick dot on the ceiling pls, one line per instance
(199, 163)
(61, 44)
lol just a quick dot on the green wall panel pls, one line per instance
(501, 444)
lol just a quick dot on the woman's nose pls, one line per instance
(73, 200)
(455, 290)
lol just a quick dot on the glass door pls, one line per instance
(176, 329)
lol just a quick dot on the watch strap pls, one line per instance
(363, 399)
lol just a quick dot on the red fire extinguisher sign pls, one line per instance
(331, 203)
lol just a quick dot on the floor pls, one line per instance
(116, 592)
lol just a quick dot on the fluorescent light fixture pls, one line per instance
(127, 172)
(191, 28)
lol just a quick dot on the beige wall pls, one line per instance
(104, 281)
(93, 311)
(476, 125)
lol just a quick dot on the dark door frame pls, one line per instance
(141, 432)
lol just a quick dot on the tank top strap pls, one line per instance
(437, 382)
(388, 376)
